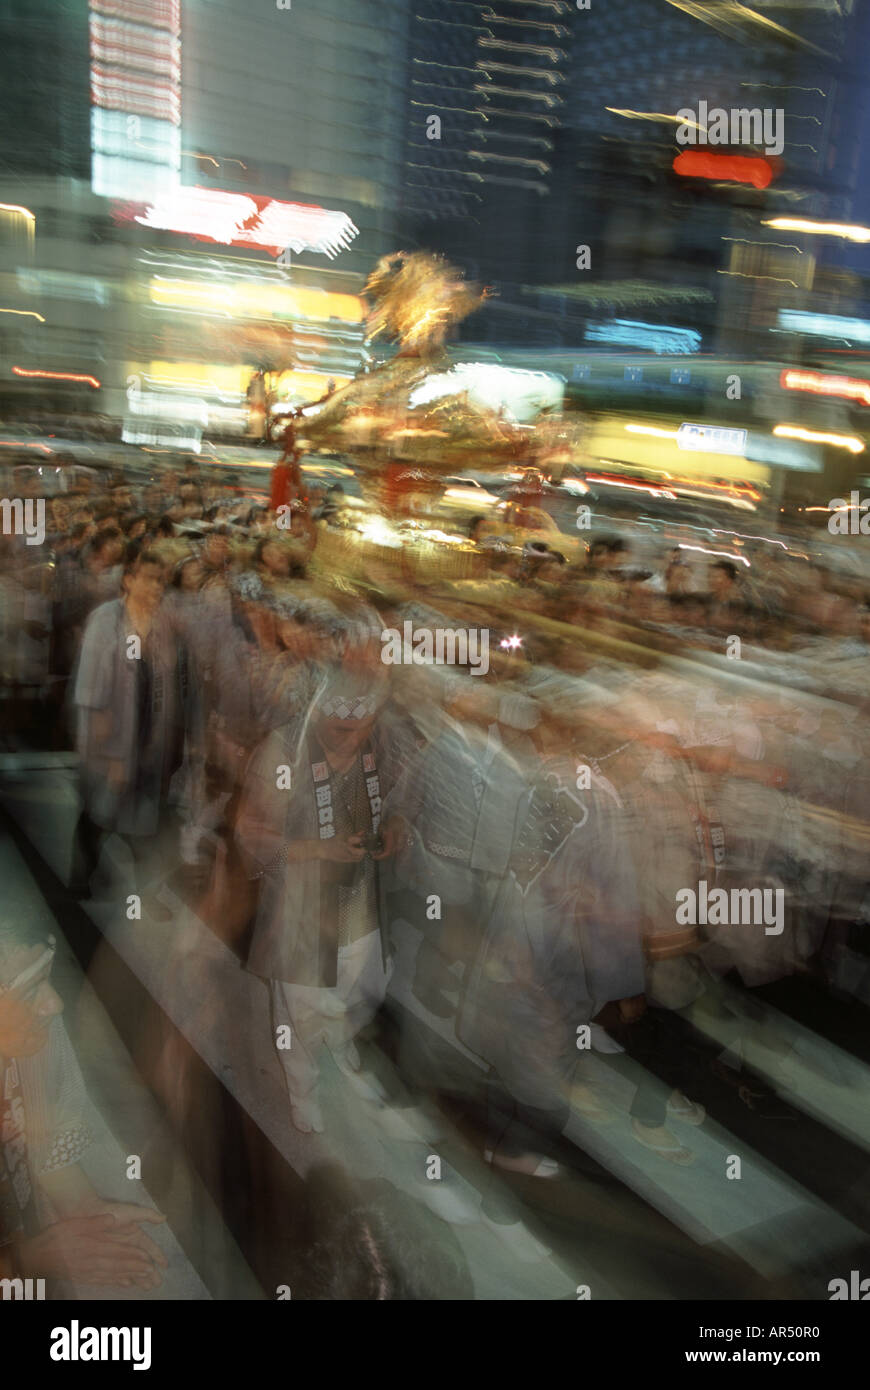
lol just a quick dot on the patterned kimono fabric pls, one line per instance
(347, 804)
(17, 1203)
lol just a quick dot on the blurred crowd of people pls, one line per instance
(527, 829)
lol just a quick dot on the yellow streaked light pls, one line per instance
(651, 429)
(805, 224)
(200, 378)
(839, 441)
(652, 116)
(264, 301)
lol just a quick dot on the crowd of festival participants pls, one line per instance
(528, 826)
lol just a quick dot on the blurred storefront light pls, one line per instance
(825, 384)
(804, 224)
(15, 207)
(837, 441)
(825, 325)
(267, 300)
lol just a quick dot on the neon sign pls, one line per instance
(826, 325)
(711, 438)
(821, 384)
(724, 168)
(240, 219)
(135, 52)
(659, 338)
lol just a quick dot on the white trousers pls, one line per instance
(330, 1017)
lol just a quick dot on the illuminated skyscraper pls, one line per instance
(135, 50)
(492, 74)
(486, 101)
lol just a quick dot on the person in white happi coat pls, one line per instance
(310, 828)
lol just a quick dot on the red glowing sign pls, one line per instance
(724, 168)
(821, 384)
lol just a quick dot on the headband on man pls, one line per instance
(348, 706)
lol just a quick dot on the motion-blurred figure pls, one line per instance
(53, 1224)
(127, 705)
(310, 822)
